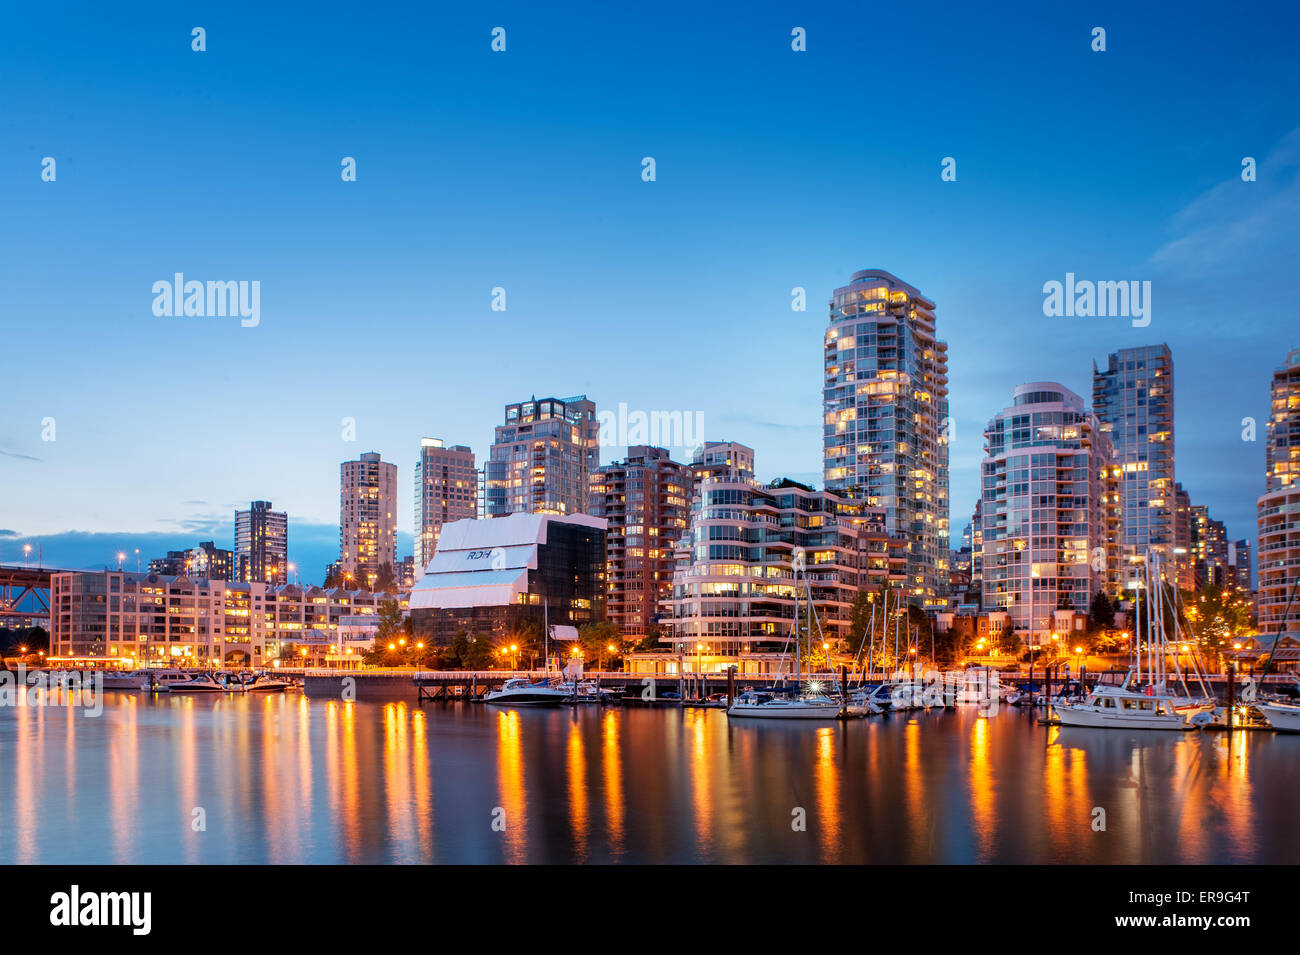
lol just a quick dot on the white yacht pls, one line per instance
(1142, 701)
(1122, 707)
(146, 679)
(198, 683)
(522, 691)
(260, 683)
(1281, 716)
(773, 705)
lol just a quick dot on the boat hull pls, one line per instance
(782, 712)
(1284, 718)
(1092, 719)
(526, 698)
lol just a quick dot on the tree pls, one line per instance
(392, 630)
(1102, 611)
(1216, 617)
(596, 639)
(385, 580)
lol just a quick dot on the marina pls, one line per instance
(296, 778)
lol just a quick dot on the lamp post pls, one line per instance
(27, 553)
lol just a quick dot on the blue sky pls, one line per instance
(522, 170)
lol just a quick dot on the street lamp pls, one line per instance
(27, 553)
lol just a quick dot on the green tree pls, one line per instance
(385, 580)
(595, 640)
(1102, 611)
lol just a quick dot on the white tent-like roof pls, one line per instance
(485, 563)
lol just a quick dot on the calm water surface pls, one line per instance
(287, 779)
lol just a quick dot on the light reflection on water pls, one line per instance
(285, 779)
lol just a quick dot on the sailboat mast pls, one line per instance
(796, 625)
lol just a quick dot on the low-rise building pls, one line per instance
(154, 619)
(488, 576)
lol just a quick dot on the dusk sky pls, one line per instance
(522, 170)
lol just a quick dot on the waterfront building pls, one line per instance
(1185, 570)
(885, 417)
(1133, 399)
(206, 560)
(488, 576)
(542, 458)
(646, 503)
(404, 574)
(975, 593)
(1239, 573)
(1046, 480)
(446, 489)
(367, 518)
(261, 544)
(1209, 549)
(733, 587)
(1278, 507)
(182, 619)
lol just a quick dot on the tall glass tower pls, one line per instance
(1133, 398)
(885, 420)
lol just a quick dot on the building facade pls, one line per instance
(1133, 399)
(261, 544)
(1278, 508)
(1209, 550)
(645, 501)
(367, 518)
(733, 589)
(885, 418)
(542, 458)
(446, 489)
(489, 576)
(207, 560)
(1046, 480)
(150, 619)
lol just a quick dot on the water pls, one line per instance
(287, 779)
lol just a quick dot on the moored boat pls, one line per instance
(1281, 716)
(199, 683)
(522, 691)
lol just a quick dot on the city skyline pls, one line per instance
(424, 258)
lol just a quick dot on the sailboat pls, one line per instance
(1143, 700)
(804, 703)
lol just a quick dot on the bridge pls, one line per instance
(25, 595)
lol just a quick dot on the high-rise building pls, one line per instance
(446, 489)
(646, 503)
(1278, 557)
(367, 519)
(542, 458)
(1046, 479)
(207, 560)
(1239, 573)
(1185, 570)
(885, 417)
(261, 544)
(1209, 549)
(1133, 399)
(733, 588)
